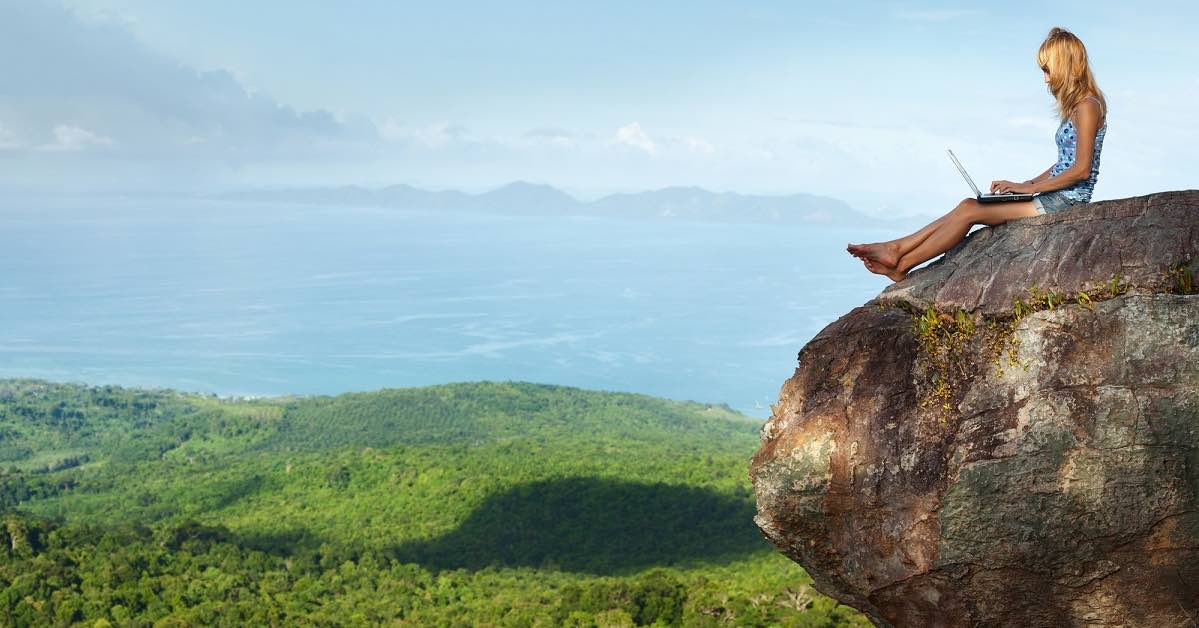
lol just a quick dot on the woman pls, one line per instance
(1082, 108)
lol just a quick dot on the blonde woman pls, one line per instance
(1082, 109)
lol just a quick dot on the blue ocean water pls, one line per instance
(239, 298)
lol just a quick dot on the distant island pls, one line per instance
(531, 199)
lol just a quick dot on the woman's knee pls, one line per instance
(967, 206)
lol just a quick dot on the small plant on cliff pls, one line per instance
(1002, 339)
(1002, 342)
(1103, 291)
(1181, 280)
(943, 338)
(946, 336)
(1039, 300)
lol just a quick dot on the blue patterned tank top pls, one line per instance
(1067, 145)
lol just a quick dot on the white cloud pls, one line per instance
(95, 81)
(70, 138)
(632, 135)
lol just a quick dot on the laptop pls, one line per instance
(988, 198)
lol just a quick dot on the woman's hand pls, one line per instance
(1003, 187)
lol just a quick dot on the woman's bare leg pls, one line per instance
(888, 253)
(956, 225)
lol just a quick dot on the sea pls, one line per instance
(252, 299)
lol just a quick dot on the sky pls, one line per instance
(855, 100)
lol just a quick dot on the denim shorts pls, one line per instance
(1050, 202)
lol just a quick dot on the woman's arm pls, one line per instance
(1086, 123)
(1003, 186)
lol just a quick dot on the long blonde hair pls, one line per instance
(1070, 80)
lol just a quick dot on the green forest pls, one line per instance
(470, 504)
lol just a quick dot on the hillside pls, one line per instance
(511, 493)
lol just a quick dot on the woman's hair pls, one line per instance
(1070, 80)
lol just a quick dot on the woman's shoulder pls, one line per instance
(1091, 107)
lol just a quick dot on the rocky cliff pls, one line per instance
(1009, 436)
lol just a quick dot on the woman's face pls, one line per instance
(1045, 70)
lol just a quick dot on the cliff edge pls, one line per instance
(1009, 436)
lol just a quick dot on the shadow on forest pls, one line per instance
(237, 490)
(594, 525)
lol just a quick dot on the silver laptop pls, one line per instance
(987, 198)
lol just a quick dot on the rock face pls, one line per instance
(1009, 436)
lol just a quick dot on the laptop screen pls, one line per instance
(963, 171)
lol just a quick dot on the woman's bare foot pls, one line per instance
(856, 250)
(890, 272)
(876, 267)
(885, 253)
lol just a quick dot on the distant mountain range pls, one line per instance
(530, 199)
